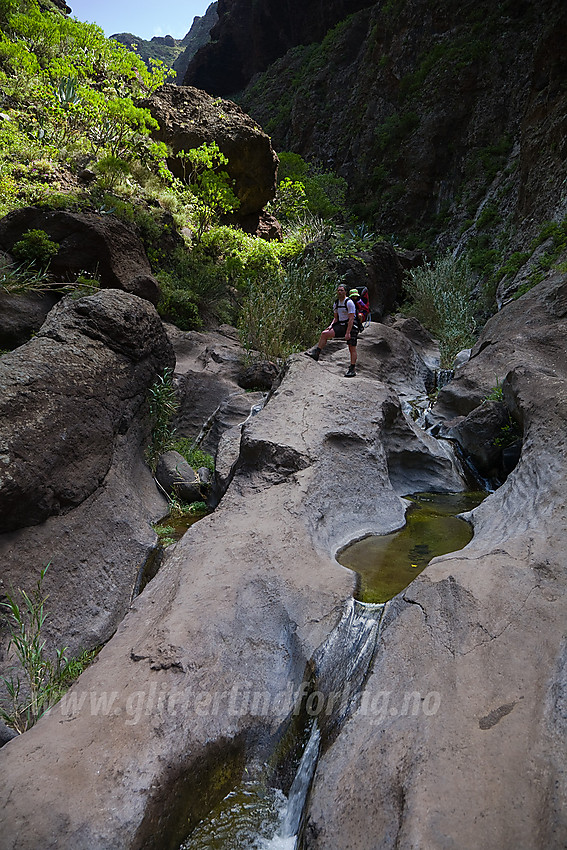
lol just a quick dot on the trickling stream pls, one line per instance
(257, 815)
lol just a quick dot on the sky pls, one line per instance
(144, 18)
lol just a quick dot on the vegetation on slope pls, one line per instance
(69, 109)
(72, 136)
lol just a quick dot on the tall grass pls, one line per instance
(441, 297)
(38, 682)
(285, 312)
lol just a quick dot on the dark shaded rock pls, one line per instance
(177, 478)
(188, 117)
(380, 271)
(205, 476)
(88, 242)
(410, 259)
(259, 376)
(144, 286)
(73, 432)
(47, 6)
(6, 733)
(250, 36)
(200, 395)
(85, 175)
(65, 398)
(264, 225)
(21, 316)
(480, 435)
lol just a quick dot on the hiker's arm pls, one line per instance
(335, 319)
(350, 324)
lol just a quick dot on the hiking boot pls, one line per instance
(351, 372)
(314, 353)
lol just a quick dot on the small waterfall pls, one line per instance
(342, 664)
(256, 815)
(287, 835)
(443, 377)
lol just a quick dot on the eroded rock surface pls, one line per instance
(456, 740)
(89, 242)
(240, 606)
(189, 117)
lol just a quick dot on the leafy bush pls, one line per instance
(195, 457)
(35, 247)
(71, 91)
(210, 185)
(322, 193)
(441, 298)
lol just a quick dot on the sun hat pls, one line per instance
(354, 292)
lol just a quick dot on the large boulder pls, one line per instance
(88, 242)
(188, 117)
(66, 396)
(177, 478)
(74, 488)
(529, 330)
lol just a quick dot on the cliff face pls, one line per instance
(198, 35)
(422, 106)
(448, 119)
(173, 52)
(251, 35)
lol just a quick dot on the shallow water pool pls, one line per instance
(386, 564)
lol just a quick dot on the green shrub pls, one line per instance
(441, 298)
(195, 457)
(179, 306)
(35, 247)
(302, 186)
(163, 405)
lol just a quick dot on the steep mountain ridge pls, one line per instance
(438, 114)
(447, 119)
(174, 52)
(250, 36)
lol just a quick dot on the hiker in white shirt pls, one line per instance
(344, 326)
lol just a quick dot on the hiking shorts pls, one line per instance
(340, 331)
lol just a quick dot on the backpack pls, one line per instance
(362, 305)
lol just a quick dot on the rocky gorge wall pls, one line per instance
(250, 36)
(447, 119)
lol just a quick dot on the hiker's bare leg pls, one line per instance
(327, 334)
(353, 354)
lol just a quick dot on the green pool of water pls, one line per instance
(388, 563)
